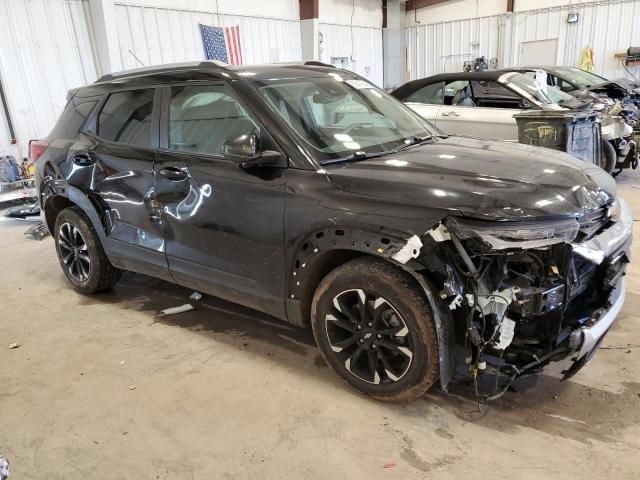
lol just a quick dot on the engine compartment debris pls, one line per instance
(521, 295)
(410, 250)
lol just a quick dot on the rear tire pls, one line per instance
(374, 327)
(80, 253)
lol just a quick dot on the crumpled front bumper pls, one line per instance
(610, 247)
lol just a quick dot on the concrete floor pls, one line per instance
(102, 387)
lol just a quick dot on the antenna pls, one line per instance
(134, 56)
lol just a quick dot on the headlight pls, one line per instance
(516, 235)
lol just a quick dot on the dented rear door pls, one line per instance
(115, 167)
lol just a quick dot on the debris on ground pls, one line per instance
(37, 231)
(196, 296)
(4, 468)
(13, 345)
(620, 347)
(390, 465)
(122, 363)
(132, 387)
(181, 309)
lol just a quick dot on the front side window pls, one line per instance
(126, 117)
(429, 94)
(338, 116)
(458, 93)
(203, 117)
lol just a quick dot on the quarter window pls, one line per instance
(72, 120)
(126, 117)
(202, 118)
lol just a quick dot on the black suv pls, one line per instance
(309, 194)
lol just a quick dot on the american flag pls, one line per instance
(222, 44)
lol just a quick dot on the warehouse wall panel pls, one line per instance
(444, 47)
(341, 41)
(150, 36)
(45, 50)
(608, 27)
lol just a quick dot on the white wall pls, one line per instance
(607, 27)
(166, 35)
(522, 5)
(457, 10)
(288, 9)
(360, 42)
(366, 13)
(45, 50)
(467, 9)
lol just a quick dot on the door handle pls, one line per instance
(83, 159)
(450, 114)
(174, 174)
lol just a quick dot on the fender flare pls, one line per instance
(381, 244)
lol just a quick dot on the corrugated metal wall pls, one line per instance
(161, 35)
(608, 27)
(45, 50)
(366, 42)
(444, 47)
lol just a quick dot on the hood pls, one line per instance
(481, 179)
(619, 87)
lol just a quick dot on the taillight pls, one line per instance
(37, 148)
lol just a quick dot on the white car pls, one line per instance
(482, 104)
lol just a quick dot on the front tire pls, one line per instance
(81, 255)
(374, 327)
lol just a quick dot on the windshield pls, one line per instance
(581, 77)
(527, 85)
(340, 117)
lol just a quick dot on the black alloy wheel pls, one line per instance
(73, 250)
(373, 325)
(370, 336)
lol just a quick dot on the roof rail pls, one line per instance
(314, 63)
(213, 64)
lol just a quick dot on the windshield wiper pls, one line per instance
(356, 157)
(414, 141)
(365, 156)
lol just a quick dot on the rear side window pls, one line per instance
(431, 94)
(72, 120)
(126, 117)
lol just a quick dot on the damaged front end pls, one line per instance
(522, 295)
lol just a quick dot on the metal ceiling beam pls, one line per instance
(309, 9)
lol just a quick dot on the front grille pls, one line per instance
(592, 222)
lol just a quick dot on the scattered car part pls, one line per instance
(39, 231)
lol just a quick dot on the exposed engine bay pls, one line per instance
(520, 295)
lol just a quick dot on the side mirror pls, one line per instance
(245, 149)
(242, 148)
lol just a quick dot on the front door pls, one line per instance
(480, 109)
(223, 225)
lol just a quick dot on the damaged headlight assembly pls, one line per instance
(519, 235)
